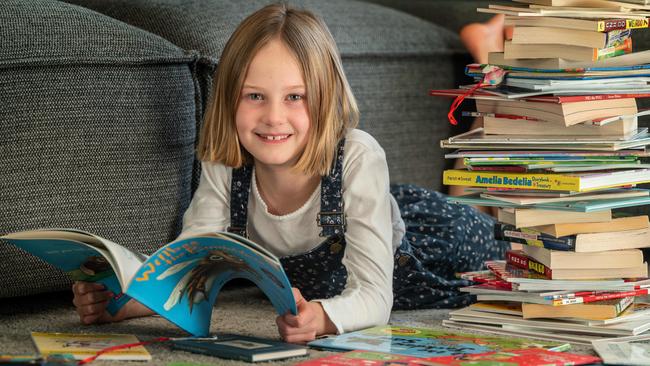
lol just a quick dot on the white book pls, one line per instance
(547, 336)
(634, 350)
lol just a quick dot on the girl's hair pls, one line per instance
(331, 105)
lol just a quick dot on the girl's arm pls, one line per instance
(368, 295)
(209, 210)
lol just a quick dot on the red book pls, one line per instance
(518, 259)
(519, 357)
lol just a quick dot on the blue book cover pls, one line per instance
(576, 206)
(180, 281)
(422, 342)
(238, 347)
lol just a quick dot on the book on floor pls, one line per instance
(363, 358)
(560, 113)
(593, 310)
(239, 347)
(422, 342)
(570, 37)
(633, 350)
(579, 53)
(81, 346)
(468, 315)
(616, 224)
(530, 199)
(595, 25)
(521, 126)
(581, 243)
(526, 217)
(180, 281)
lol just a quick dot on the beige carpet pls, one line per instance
(241, 310)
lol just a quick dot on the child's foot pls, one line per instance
(481, 38)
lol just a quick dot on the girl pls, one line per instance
(283, 165)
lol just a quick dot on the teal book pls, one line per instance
(180, 281)
(423, 342)
(238, 347)
(576, 206)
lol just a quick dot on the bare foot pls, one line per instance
(481, 38)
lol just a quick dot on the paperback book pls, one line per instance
(82, 346)
(180, 281)
(421, 342)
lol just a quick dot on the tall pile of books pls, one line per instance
(560, 151)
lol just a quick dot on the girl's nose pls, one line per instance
(275, 114)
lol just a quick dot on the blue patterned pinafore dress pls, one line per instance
(441, 239)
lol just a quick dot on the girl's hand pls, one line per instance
(310, 322)
(91, 300)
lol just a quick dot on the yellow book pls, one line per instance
(81, 346)
(577, 182)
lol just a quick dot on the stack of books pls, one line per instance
(559, 151)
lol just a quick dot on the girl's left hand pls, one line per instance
(310, 322)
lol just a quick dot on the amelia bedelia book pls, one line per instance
(423, 342)
(180, 281)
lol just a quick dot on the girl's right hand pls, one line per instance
(91, 300)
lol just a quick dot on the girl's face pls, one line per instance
(272, 118)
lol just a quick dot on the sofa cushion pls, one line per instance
(97, 132)
(392, 59)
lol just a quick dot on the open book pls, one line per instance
(180, 281)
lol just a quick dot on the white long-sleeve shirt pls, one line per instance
(374, 229)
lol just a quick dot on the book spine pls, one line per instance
(599, 297)
(507, 232)
(614, 24)
(587, 98)
(553, 182)
(520, 260)
(613, 51)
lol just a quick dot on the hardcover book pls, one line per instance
(180, 281)
(238, 347)
(421, 342)
(81, 346)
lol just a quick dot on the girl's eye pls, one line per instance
(295, 97)
(255, 96)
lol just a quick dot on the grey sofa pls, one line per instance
(101, 101)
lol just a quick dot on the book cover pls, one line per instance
(363, 358)
(520, 357)
(238, 347)
(569, 206)
(421, 342)
(546, 181)
(634, 350)
(180, 281)
(598, 310)
(81, 346)
(523, 235)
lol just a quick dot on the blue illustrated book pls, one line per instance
(180, 281)
(423, 342)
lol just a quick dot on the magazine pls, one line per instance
(180, 281)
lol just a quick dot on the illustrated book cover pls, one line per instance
(82, 346)
(180, 281)
(422, 342)
(238, 347)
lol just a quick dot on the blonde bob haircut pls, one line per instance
(331, 106)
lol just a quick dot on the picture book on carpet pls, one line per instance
(238, 347)
(422, 342)
(180, 281)
(81, 346)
